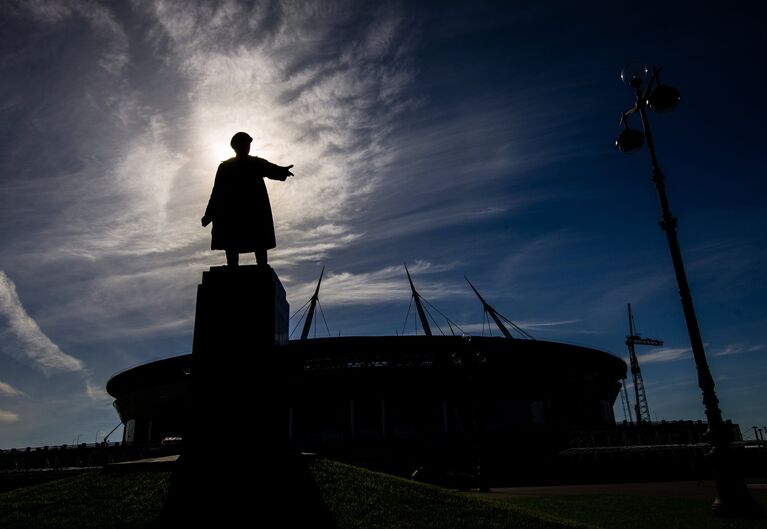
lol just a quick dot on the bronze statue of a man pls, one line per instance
(239, 204)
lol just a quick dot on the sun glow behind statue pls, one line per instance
(220, 150)
(216, 148)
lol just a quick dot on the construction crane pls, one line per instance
(642, 410)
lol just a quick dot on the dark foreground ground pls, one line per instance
(357, 498)
(680, 504)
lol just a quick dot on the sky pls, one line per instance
(470, 138)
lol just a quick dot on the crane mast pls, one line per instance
(642, 410)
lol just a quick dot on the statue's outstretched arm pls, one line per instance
(276, 172)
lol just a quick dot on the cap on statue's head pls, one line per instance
(239, 138)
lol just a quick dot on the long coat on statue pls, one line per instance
(239, 205)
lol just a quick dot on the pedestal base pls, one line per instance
(238, 367)
(236, 468)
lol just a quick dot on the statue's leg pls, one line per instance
(261, 257)
(232, 258)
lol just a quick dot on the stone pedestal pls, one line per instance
(241, 311)
(238, 368)
(236, 465)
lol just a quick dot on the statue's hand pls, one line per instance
(204, 221)
(282, 174)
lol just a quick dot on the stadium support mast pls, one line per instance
(490, 310)
(498, 318)
(312, 306)
(642, 410)
(419, 305)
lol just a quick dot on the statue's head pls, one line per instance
(241, 143)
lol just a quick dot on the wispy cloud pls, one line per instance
(133, 300)
(525, 325)
(673, 354)
(140, 181)
(8, 417)
(97, 392)
(664, 355)
(312, 244)
(379, 286)
(100, 18)
(735, 349)
(24, 339)
(7, 390)
(542, 324)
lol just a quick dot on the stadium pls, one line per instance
(398, 401)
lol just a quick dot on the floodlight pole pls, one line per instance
(732, 496)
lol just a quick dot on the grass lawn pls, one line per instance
(361, 499)
(357, 499)
(87, 500)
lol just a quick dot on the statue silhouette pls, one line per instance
(239, 204)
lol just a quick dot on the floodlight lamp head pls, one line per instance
(663, 98)
(629, 141)
(634, 75)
